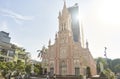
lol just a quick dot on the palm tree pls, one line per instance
(41, 52)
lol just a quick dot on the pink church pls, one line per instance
(65, 56)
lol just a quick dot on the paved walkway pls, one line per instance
(36, 78)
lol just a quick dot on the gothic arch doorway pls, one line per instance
(77, 71)
(88, 72)
(51, 71)
(63, 68)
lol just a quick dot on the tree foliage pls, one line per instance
(117, 68)
(100, 61)
(107, 73)
(114, 64)
(28, 68)
(19, 67)
(38, 69)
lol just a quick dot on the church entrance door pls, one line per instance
(63, 68)
(77, 71)
(51, 71)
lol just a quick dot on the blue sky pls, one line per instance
(31, 23)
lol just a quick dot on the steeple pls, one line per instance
(64, 5)
(65, 10)
(64, 19)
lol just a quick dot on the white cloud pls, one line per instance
(4, 26)
(16, 16)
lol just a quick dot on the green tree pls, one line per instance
(38, 69)
(115, 62)
(20, 66)
(99, 61)
(107, 73)
(117, 68)
(111, 64)
(28, 68)
(4, 69)
(10, 66)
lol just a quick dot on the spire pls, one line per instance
(59, 15)
(64, 4)
(64, 8)
(64, 19)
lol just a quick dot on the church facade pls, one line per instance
(65, 56)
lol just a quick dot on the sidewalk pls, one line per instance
(36, 78)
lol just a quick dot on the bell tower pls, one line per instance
(65, 40)
(64, 20)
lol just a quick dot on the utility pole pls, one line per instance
(105, 54)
